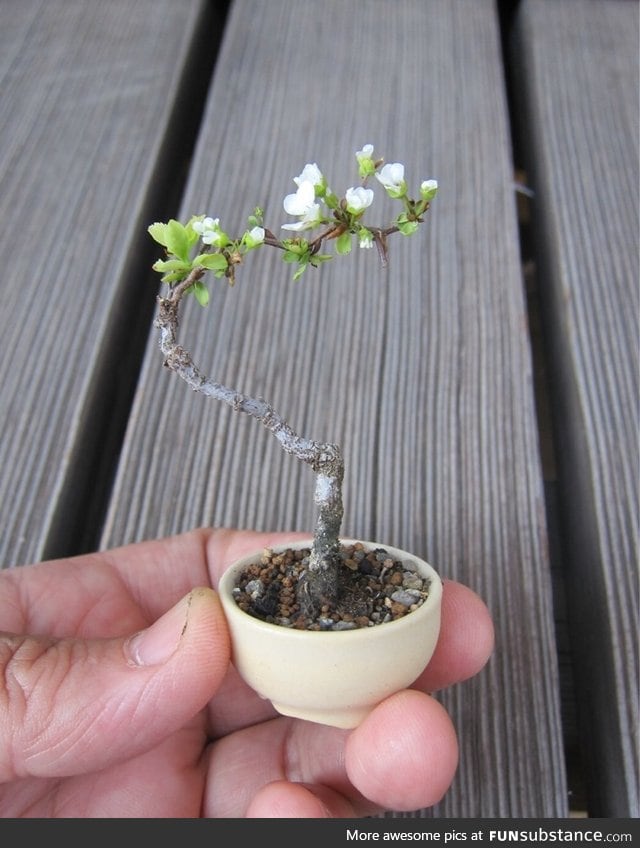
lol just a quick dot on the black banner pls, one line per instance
(332, 833)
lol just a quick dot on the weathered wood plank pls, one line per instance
(578, 65)
(87, 93)
(423, 373)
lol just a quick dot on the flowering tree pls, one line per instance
(201, 246)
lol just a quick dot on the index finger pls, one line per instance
(159, 572)
(466, 639)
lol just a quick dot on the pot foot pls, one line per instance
(345, 719)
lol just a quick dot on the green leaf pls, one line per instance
(211, 261)
(163, 265)
(201, 293)
(300, 272)
(173, 270)
(319, 258)
(343, 243)
(192, 235)
(158, 232)
(177, 239)
(174, 237)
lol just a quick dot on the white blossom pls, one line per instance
(209, 230)
(311, 218)
(310, 174)
(392, 177)
(254, 237)
(302, 204)
(366, 165)
(299, 202)
(365, 239)
(358, 199)
(365, 153)
(428, 189)
(205, 224)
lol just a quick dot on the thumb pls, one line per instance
(70, 706)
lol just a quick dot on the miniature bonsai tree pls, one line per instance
(202, 247)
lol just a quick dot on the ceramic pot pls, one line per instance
(334, 678)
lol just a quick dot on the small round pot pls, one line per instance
(334, 678)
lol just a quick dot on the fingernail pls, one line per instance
(158, 643)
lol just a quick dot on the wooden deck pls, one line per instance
(484, 387)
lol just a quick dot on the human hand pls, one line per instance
(117, 699)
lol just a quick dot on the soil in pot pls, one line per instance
(375, 589)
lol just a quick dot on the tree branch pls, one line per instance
(325, 459)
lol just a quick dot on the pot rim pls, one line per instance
(226, 584)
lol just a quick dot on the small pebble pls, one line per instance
(345, 625)
(412, 581)
(254, 588)
(406, 598)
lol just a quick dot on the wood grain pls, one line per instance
(88, 90)
(579, 74)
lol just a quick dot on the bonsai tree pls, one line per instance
(201, 247)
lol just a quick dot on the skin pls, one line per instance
(117, 699)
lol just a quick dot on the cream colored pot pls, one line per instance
(334, 678)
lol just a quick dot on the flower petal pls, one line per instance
(298, 203)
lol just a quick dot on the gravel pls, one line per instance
(377, 589)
